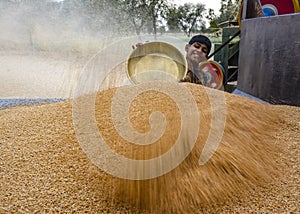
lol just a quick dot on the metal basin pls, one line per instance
(156, 61)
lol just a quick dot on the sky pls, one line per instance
(214, 4)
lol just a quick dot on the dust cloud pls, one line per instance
(44, 45)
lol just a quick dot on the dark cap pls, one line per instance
(201, 39)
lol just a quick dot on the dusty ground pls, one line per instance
(38, 74)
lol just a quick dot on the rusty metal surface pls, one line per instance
(269, 59)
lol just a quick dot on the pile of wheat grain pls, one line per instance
(44, 169)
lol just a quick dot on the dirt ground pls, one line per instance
(38, 74)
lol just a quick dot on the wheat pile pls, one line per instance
(255, 168)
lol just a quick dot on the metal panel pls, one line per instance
(269, 59)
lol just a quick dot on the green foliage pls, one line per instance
(228, 12)
(191, 17)
(157, 10)
(149, 16)
(116, 16)
(187, 18)
(135, 11)
(173, 18)
(141, 15)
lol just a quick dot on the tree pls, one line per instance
(191, 17)
(136, 13)
(157, 10)
(213, 25)
(172, 18)
(228, 12)
(142, 14)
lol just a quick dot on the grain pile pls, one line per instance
(43, 168)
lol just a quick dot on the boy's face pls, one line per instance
(196, 53)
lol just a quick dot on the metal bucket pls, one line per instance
(156, 61)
